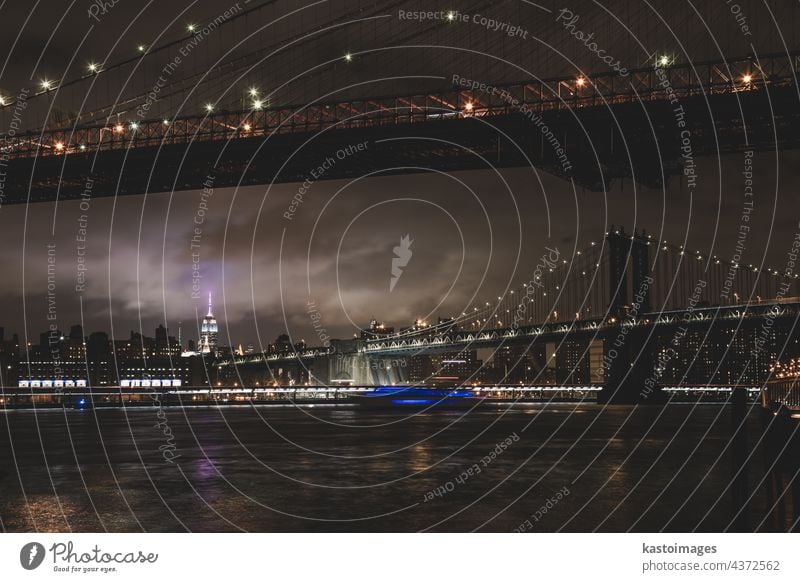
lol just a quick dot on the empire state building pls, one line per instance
(208, 332)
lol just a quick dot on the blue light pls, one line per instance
(82, 401)
(412, 401)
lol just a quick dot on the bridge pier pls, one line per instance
(350, 364)
(628, 369)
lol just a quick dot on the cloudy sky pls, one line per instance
(473, 234)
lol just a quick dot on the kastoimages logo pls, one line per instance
(31, 555)
(402, 254)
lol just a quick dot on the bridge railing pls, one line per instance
(784, 392)
(468, 98)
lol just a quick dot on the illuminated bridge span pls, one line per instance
(596, 328)
(623, 311)
(590, 128)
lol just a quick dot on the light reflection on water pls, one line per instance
(285, 470)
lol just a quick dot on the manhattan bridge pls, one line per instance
(256, 94)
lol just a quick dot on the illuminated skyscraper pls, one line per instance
(208, 332)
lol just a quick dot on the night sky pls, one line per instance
(474, 233)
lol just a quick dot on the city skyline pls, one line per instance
(151, 277)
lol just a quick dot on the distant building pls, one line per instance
(209, 332)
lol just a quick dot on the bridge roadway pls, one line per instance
(592, 130)
(601, 328)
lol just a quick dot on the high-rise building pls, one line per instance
(209, 332)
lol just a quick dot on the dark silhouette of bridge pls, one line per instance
(233, 101)
(594, 129)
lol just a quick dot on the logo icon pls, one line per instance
(402, 254)
(31, 555)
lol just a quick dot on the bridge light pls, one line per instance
(134, 126)
(253, 92)
(348, 57)
(2, 101)
(246, 127)
(82, 147)
(663, 60)
(191, 28)
(451, 16)
(746, 79)
(469, 106)
(209, 107)
(93, 67)
(119, 128)
(141, 48)
(165, 122)
(59, 146)
(258, 104)
(46, 85)
(580, 82)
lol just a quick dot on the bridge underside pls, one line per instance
(640, 141)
